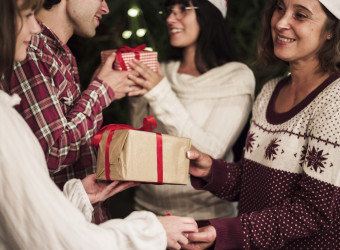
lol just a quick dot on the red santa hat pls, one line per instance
(221, 5)
(333, 6)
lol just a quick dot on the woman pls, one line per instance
(204, 95)
(33, 212)
(288, 182)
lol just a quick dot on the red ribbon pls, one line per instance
(149, 124)
(124, 49)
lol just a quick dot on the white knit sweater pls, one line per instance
(34, 214)
(211, 109)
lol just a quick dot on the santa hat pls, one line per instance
(222, 5)
(333, 6)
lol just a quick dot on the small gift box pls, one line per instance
(128, 154)
(126, 54)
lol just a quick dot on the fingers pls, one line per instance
(138, 80)
(193, 154)
(118, 186)
(182, 240)
(205, 234)
(147, 78)
(92, 177)
(112, 185)
(189, 221)
(159, 70)
(141, 68)
(137, 90)
(200, 236)
(109, 61)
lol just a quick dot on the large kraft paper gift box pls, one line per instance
(134, 155)
(125, 54)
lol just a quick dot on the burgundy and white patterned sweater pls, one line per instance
(288, 183)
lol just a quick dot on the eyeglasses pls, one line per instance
(178, 11)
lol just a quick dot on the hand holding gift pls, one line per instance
(125, 56)
(200, 164)
(99, 191)
(147, 78)
(117, 80)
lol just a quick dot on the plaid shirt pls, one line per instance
(63, 118)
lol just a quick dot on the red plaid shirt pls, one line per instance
(63, 118)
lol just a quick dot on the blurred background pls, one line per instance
(135, 22)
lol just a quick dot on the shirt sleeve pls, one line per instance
(74, 191)
(63, 120)
(35, 214)
(220, 131)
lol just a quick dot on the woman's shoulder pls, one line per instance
(234, 71)
(235, 66)
(270, 85)
(169, 65)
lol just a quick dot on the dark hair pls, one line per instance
(7, 37)
(48, 4)
(329, 54)
(214, 44)
(9, 11)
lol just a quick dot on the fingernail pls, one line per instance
(189, 154)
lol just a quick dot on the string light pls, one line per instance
(141, 32)
(127, 34)
(133, 12)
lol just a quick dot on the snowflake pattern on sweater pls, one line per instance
(297, 163)
(288, 183)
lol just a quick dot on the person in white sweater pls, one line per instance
(34, 213)
(202, 93)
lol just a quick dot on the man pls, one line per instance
(63, 118)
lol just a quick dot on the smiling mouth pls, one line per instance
(285, 40)
(175, 31)
(98, 18)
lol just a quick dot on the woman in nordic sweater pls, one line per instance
(204, 95)
(288, 182)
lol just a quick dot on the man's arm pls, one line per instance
(61, 118)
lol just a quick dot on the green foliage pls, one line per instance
(244, 20)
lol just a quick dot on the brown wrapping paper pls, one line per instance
(133, 157)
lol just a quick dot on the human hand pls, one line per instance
(176, 229)
(98, 191)
(117, 80)
(205, 237)
(147, 78)
(200, 164)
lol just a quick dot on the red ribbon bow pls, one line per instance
(128, 49)
(149, 124)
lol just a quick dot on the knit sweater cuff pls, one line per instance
(158, 92)
(218, 177)
(229, 233)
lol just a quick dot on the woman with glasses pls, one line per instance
(34, 214)
(201, 93)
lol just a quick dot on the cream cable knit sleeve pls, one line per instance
(34, 214)
(212, 124)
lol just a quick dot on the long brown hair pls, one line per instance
(9, 10)
(7, 36)
(329, 54)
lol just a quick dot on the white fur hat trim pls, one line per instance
(333, 6)
(222, 6)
